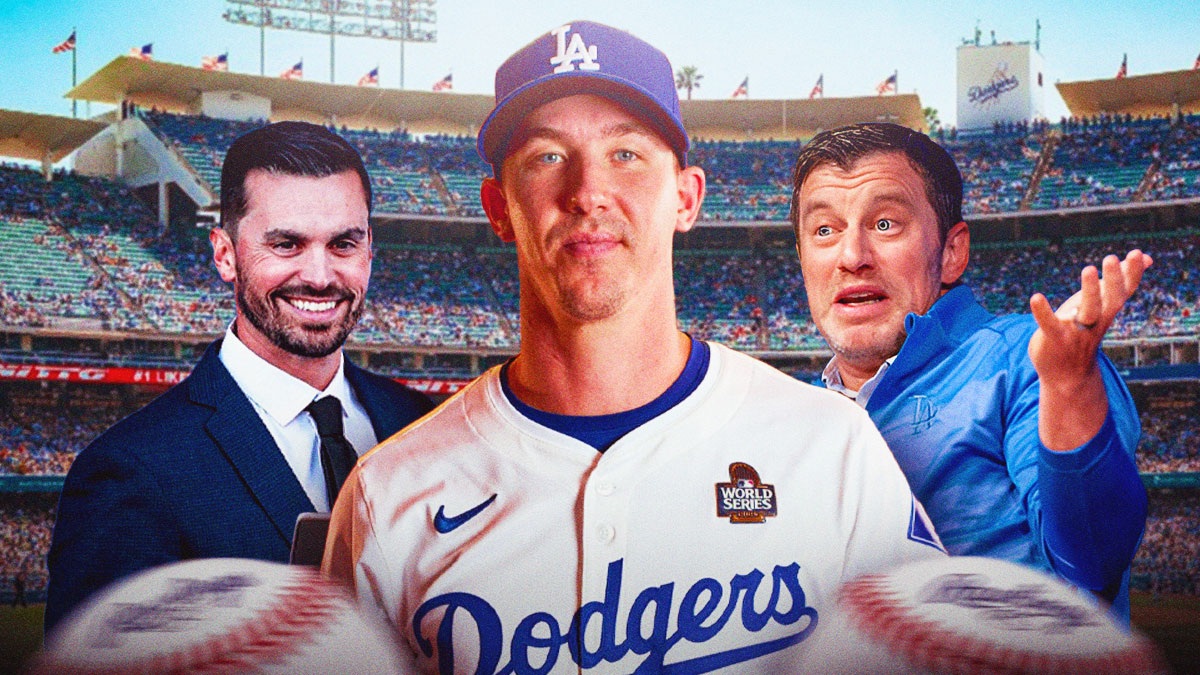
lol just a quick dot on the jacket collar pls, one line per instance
(949, 322)
(240, 436)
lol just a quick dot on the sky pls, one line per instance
(782, 46)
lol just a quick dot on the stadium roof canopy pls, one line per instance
(43, 138)
(799, 118)
(178, 88)
(1154, 94)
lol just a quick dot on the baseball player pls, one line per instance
(619, 497)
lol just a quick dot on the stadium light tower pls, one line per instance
(402, 20)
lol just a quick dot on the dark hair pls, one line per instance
(845, 146)
(292, 148)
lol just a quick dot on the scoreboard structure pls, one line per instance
(999, 83)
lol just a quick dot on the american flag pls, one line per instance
(219, 62)
(66, 45)
(296, 72)
(887, 85)
(444, 84)
(371, 79)
(1195, 66)
(145, 53)
(743, 89)
(1124, 69)
(818, 88)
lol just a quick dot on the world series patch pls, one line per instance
(745, 498)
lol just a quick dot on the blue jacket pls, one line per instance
(959, 409)
(194, 474)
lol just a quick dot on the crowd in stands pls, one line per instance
(456, 161)
(117, 273)
(1179, 175)
(1102, 160)
(439, 297)
(996, 168)
(1166, 561)
(407, 176)
(1167, 302)
(1092, 161)
(44, 425)
(1170, 414)
(43, 428)
(201, 141)
(26, 522)
(86, 249)
(747, 181)
(113, 268)
(49, 270)
(719, 296)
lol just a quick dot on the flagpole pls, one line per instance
(74, 101)
(262, 40)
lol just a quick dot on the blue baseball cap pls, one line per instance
(583, 57)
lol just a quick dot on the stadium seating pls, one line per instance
(42, 428)
(1102, 161)
(1166, 561)
(26, 521)
(440, 297)
(996, 167)
(455, 159)
(401, 170)
(1179, 177)
(748, 181)
(85, 249)
(1170, 435)
(1085, 163)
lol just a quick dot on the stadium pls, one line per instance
(109, 295)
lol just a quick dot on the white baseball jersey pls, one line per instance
(710, 539)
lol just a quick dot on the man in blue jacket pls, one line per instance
(1015, 432)
(222, 464)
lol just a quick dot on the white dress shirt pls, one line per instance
(832, 377)
(280, 399)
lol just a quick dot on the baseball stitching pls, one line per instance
(272, 635)
(879, 613)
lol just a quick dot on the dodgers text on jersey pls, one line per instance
(706, 609)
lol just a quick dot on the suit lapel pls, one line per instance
(245, 442)
(384, 413)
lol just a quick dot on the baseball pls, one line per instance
(973, 615)
(221, 615)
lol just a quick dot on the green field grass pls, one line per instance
(1172, 622)
(20, 635)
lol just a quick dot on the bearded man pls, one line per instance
(272, 418)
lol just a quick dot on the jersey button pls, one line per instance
(606, 533)
(606, 489)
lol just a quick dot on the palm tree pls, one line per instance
(688, 77)
(931, 119)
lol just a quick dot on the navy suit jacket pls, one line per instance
(194, 474)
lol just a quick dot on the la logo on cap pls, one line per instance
(567, 55)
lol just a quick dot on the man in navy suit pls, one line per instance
(223, 463)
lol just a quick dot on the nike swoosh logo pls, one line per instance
(445, 524)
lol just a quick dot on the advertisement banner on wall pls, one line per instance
(166, 377)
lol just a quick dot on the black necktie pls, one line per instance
(337, 455)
